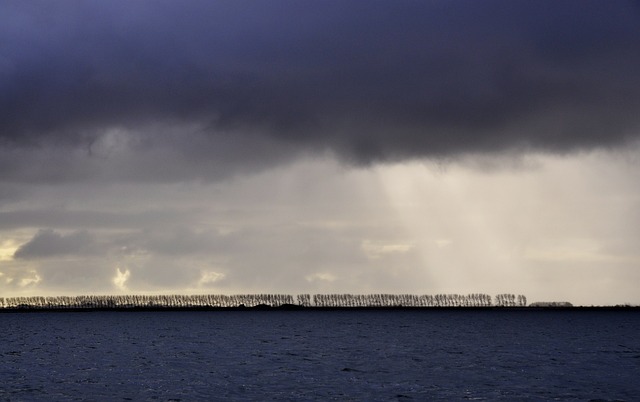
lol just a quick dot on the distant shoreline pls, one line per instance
(311, 308)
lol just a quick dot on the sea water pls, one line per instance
(321, 355)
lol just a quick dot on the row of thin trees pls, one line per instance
(409, 300)
(131, 301)
(510, 300)
(252, 300)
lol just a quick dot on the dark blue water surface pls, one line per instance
(321, 355)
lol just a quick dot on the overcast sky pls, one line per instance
(321, 147)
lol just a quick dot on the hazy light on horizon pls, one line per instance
(399, 228)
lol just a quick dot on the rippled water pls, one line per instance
(321, 355)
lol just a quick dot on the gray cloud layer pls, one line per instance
(48, 243)
(243, 84)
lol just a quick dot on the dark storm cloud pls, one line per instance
(368, 80)
(49, 243)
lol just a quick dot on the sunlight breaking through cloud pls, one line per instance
(7, 249)
(423, 147)
(121, 278)
(210, 277)
(321, 276)
(30, 280)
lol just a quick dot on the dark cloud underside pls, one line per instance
(48, 243)
(368, 80)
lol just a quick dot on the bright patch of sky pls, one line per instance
(552, 228)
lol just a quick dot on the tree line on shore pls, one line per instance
(253, 300)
